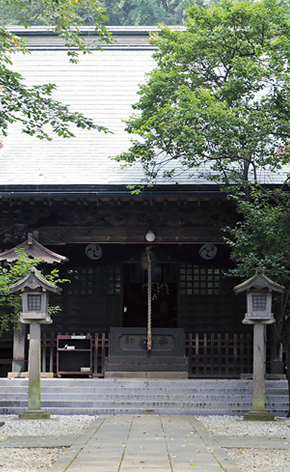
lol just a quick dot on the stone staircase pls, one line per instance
(137, 396)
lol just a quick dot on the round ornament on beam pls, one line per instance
(150, 236)
(94, 252)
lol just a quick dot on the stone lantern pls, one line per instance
(259, 298)
(259, 313)
(33, 249)
(34, 289)
(34, 300)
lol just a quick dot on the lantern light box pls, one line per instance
(259, 298)
(35, 292)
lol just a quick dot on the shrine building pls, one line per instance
(68, 201)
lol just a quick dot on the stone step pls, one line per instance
(129, 387)
(132, 391)
(4, 381)
(107, 383)
(170, 404)
(141, 411)
(97, 396)
(119, 397)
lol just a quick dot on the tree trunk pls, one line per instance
(276, 351)
(288, 375)
(285, 338)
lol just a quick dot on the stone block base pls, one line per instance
(34, 415)
(24, 375)
(277, 367)
(268, 377)
(258, 416)
(146, 375)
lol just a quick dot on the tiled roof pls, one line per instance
(102, 86)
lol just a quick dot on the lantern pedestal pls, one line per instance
(258, 416)
(34, 289)
(34, 411)
(258, 412)
(259, 313)
(34, 415)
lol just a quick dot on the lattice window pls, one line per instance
(95, 281)
(259, 302)
(196, 280)
(34, 302)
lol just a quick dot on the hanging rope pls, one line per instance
(149, 295)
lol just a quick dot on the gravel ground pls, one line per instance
(36, 459)
(253, 460)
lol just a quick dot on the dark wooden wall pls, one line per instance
(207, 303)
(91, 302)
(199, 299)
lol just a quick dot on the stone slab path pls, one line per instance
(248, 442)
(38, 441)
(124, 443)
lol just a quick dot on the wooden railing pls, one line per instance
(101, 351)
(48, 352)
(218, 355)
(209, 355)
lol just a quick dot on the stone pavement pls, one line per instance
(145, 443)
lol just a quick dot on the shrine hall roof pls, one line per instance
(103, 86)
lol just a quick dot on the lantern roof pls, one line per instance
(33, 281)
(259, 282)
(34, 249)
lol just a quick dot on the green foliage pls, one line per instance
(219, 97)
(64, 17)
(262, 239)
(118, 12)
(10, 304)
(149, 12)
(33, 107)
(37, 112)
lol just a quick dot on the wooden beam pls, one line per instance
(128, 234)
